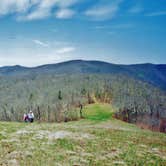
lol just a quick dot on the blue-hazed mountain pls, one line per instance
(151, 73)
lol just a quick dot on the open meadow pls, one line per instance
(97, 140)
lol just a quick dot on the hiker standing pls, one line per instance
(31, 116)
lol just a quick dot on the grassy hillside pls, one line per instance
(96, 112)
(96, 140)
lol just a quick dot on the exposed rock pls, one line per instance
(12, 162)
(62, 134)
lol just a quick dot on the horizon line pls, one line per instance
(103, 61)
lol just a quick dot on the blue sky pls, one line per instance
(35, 32)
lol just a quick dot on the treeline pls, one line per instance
(52, 97)
(144, 106)
(60, 97)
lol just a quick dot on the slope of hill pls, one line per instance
(91, 141)
(55, 91)
(55, 97)
(153, 74)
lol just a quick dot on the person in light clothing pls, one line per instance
(31, 116)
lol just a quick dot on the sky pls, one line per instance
(36, 32)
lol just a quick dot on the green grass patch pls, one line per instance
(64, 144)
(98, 112)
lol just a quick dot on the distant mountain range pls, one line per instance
(151, 73)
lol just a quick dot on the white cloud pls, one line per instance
(16, 6)
(160, 13)
(38, 42)
(62, 9)
(34, 59)
(25, 52)
(104, 10)
(42, 10)
(65, 50)
(65, 13)
(136, 9)
(114, 26)
(37, 9)
(67, 3)
(123, 26)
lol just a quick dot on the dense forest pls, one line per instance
(61, 97)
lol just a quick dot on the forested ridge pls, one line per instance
(59, 97)
(151, 73)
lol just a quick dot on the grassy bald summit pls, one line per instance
(96, 140)
(151, 73)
